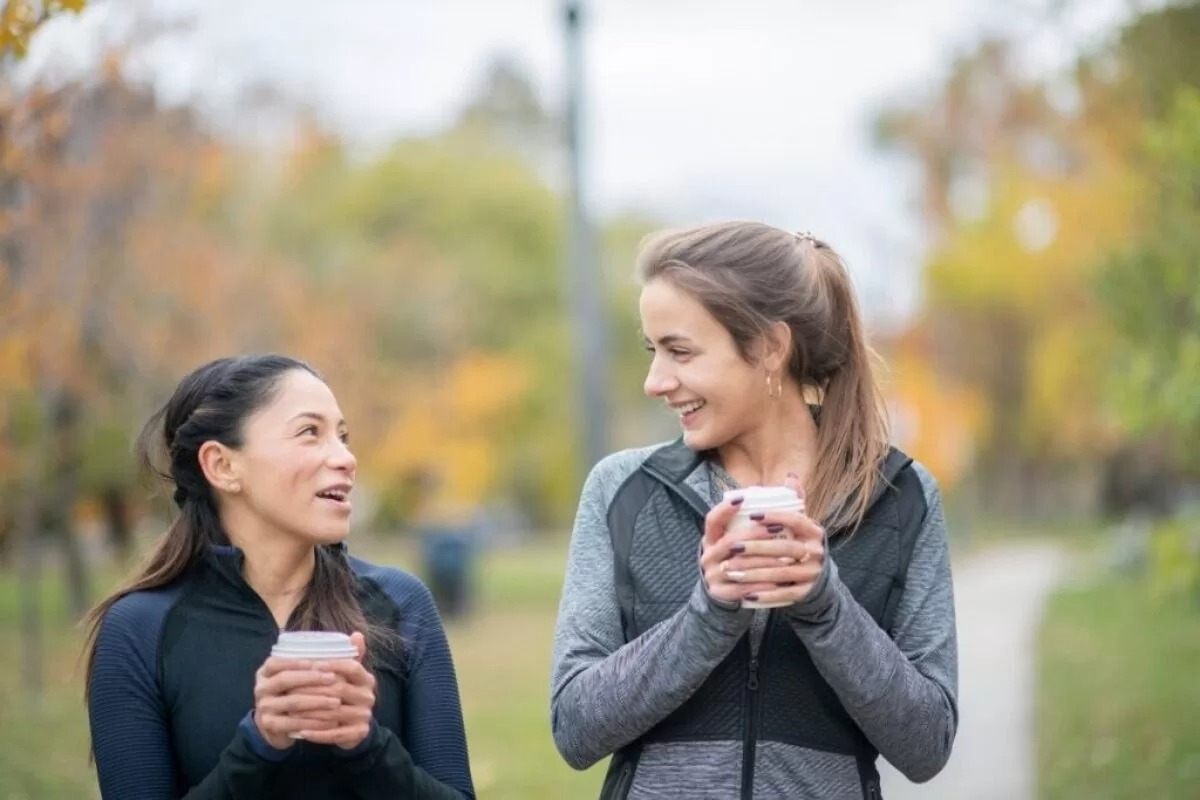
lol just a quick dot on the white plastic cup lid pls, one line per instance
(314, 645)
(765, 498)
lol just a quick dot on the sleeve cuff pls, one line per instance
(726, 616)
(363, 747)
(815, 607)
(258, 745)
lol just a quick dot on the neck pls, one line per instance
(784, 441)
(277, 567)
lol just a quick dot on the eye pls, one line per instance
(308, 429)
(679, 354)
(345, 437)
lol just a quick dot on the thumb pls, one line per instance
(360, 644)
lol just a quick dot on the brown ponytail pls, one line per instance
(853, 432)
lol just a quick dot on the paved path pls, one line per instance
(999, 595)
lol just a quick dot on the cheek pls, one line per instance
(280, 475)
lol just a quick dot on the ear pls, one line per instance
(220, 466)
(777, 347)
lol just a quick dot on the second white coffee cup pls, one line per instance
(762, 500)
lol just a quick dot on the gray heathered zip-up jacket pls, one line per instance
(606, 693)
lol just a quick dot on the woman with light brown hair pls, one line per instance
(711, 662)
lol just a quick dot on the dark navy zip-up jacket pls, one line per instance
(172, 692)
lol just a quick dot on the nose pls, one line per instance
(660, 379)
(341, 458)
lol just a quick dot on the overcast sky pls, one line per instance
(698, 109)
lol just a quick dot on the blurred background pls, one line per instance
(437, 205)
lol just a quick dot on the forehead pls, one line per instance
(299, 392)
(667, 310)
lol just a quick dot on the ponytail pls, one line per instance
(852, 435)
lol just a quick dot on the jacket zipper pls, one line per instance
(750, 735)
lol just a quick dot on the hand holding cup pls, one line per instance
(790, 557)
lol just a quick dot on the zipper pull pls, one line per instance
(752, 683)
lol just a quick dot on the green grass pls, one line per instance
(502, 655)
(1119, 695)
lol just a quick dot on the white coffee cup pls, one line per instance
(314, 645)
(762, 500)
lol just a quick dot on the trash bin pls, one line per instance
(448, 555)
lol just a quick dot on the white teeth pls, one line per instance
(690, 407)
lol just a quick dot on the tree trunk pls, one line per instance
(116, 515)
(63, 494)
(30, 591)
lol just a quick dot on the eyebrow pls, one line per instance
(668, 340)
(315, 416)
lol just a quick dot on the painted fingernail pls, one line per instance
(737, 501)
(737, 548)
(758, 516)
(752, 598)
(789, 583)
(774, 527)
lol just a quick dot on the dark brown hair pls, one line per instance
(213, 404)
(750, 276)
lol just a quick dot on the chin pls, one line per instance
(327, 537)
(699, 440)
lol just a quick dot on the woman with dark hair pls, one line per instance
(779, 663)
(183, 697)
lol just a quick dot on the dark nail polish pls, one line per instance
(774, 527)
(758, 516)
(753, 598)
(737, 501)
(737, 548)
(786, 585)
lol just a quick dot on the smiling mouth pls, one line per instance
(338, 494)
(686, 409)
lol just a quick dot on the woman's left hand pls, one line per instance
(795, 536)
(355, 687)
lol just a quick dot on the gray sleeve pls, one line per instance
(605, 693)
(901, 689)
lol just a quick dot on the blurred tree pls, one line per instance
(97, 184)
(1019, 198)
(450, 248)
(20, 19)
(1026, 187)
(1151, 290)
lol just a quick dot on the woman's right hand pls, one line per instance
(280, 703)
(719, 546)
